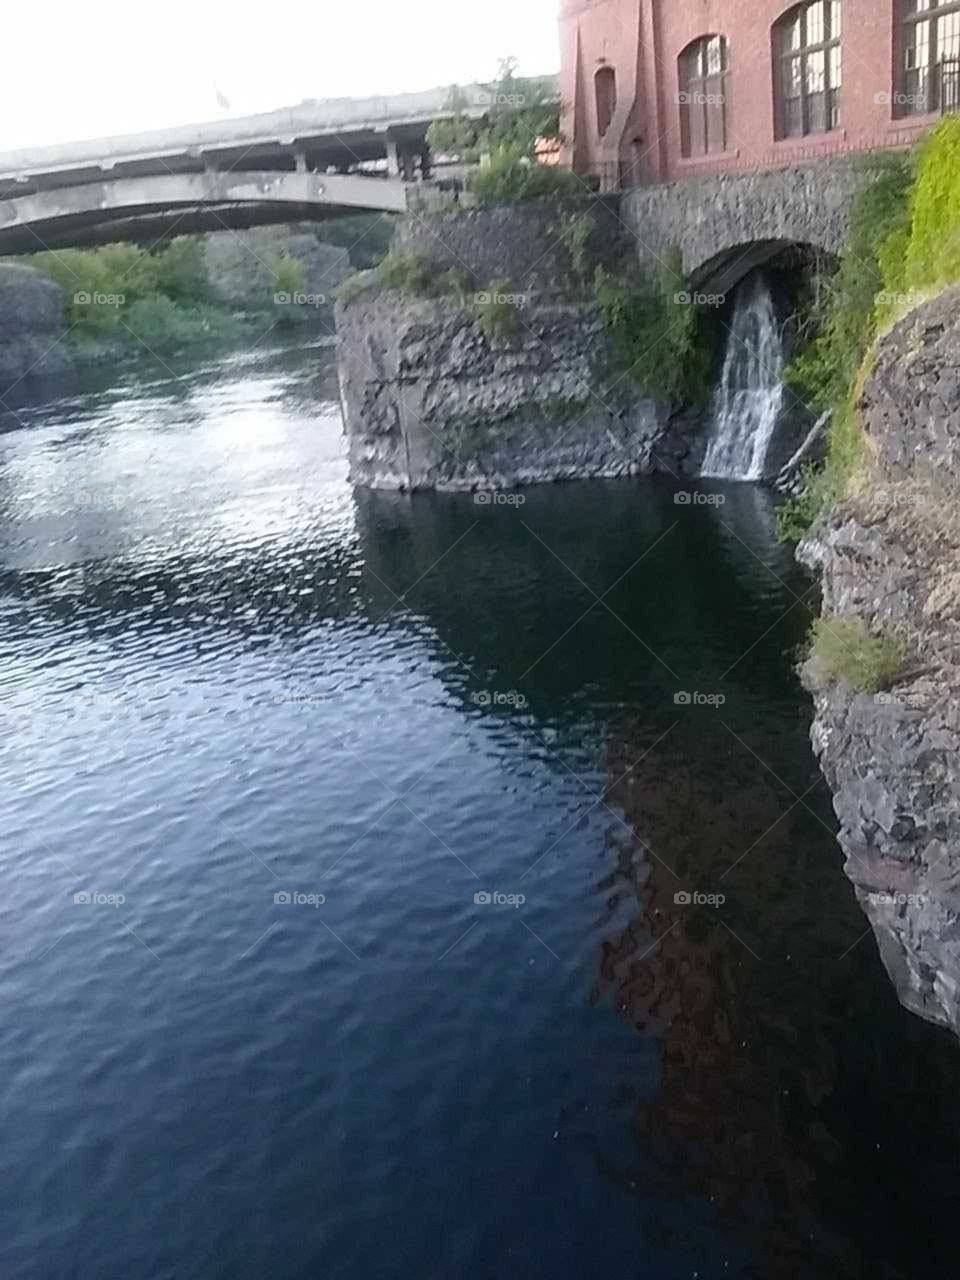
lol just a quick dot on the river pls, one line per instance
(347, 839)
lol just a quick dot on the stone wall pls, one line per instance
(32, 355)
(890, 556)
(516, 242)
(429, 402)
(718, 221)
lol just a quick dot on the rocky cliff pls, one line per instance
(890, 556)
(430, 402)
(32, 356)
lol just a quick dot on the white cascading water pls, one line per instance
(748, 401)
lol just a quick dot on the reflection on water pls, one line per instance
(226, 676)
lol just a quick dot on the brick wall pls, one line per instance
(641, 40)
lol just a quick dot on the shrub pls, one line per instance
(410, 272)
(497, 312)
(354, 285)
(574, 231)
(521, 110)
(845, 318)
(511, 176)
(656, 339)
(844, 649)
(932, 255)
(830, 372)
(179, 271)
(161, 325)
(418, 275)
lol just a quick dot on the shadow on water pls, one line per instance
(637, 646)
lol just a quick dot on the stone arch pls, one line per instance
(727, 224)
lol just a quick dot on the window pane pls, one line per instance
(792, 78)
(836, 68)
(949, 36)
(793, 118)
(697, 132)
(815, 30)
(790, 35)
(816, 72)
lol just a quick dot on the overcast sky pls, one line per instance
(80, 70)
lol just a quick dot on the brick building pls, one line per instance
(655, 90)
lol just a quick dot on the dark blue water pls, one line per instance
(265, 741)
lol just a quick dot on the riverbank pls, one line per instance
(876, 523)
(63, 313)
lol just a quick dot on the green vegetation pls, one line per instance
(418, 275)
(903, 246)
(497, 311)
(510, 175)
(932, 248)
(573, 231)
(289, 280)
(160, 324)
(366, 236)
(161, 299)
(519, 110)
(655, 332)
(844, 649)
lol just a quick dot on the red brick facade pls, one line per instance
(628, 61)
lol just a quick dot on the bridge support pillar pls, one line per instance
(401, 158)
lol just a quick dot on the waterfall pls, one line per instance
(747, 403)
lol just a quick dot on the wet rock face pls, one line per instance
(429, 402)
(891, 557)
(31, 353)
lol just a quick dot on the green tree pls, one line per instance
(518, 110)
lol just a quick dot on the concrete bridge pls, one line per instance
(314, 161)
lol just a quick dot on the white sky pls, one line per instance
(76, 69)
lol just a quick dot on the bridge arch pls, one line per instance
(727, 224)
(72, 215)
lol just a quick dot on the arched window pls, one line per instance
(808, 69)
(605, 86)
(703, 96)
(930, 80)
